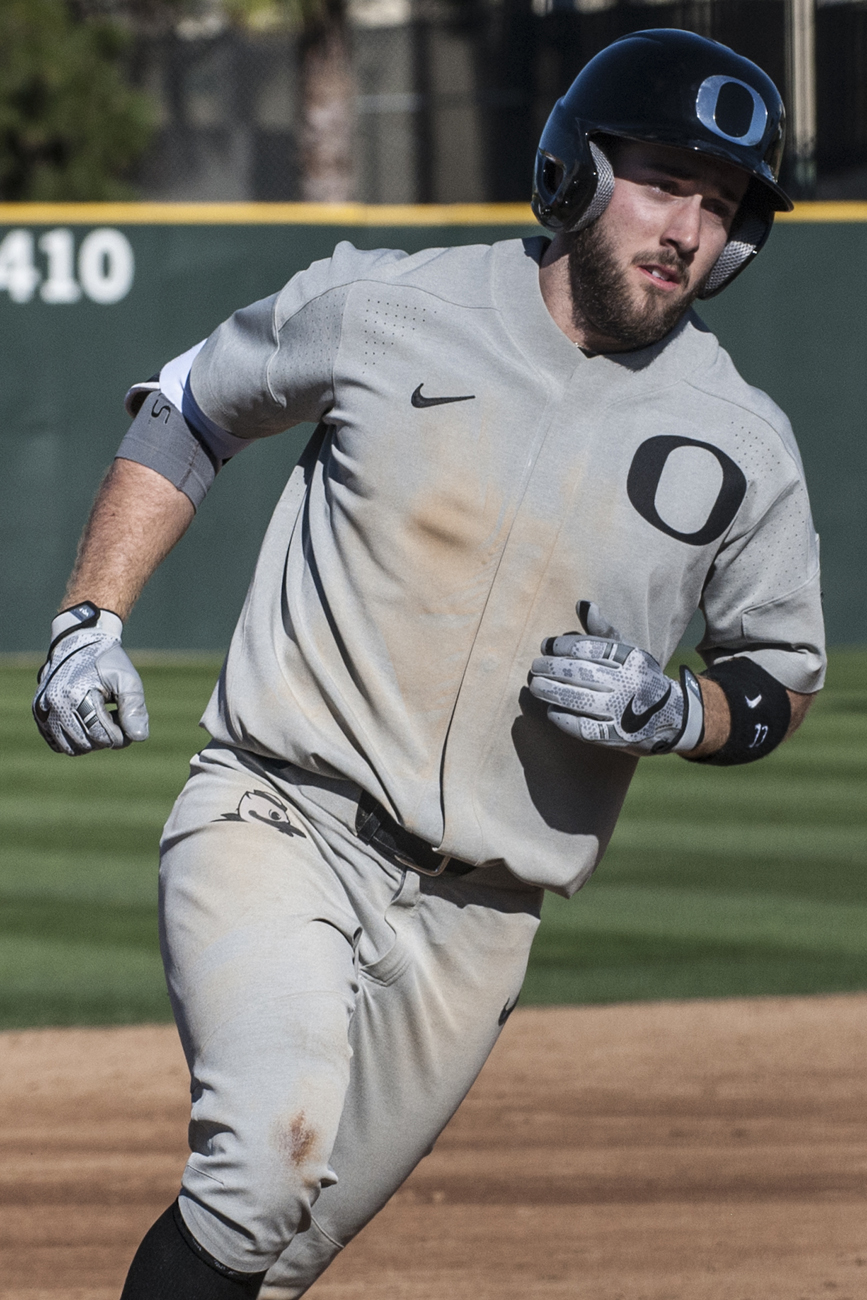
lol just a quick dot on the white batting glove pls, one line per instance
(601, 689)
(85, 670)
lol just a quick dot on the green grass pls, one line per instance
(725, 882)
(78, 857)
(718, 882)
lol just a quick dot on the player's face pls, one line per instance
(636, 270)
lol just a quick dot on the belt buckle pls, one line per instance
(424, 871)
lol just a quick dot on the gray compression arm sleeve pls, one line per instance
(171, 435)
(162, 439)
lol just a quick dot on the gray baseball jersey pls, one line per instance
(481, 474)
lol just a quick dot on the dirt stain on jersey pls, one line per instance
(449, 549)
(297, 1140)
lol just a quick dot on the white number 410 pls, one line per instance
(106, 266)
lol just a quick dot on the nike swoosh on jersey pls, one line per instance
(632, 721)
(419, 401)
(751, 704)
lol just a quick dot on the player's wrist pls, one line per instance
(750, 713)
(717, 721)
(83, 615)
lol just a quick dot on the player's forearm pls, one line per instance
(137, 518)
(717, 717)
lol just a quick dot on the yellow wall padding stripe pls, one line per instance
(842, 210)
(327, 214)
(259, 214)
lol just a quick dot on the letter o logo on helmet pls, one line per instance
(731, 109)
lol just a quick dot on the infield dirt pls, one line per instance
(656, 1151)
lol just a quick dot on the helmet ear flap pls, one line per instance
(604, 189)
(569, 198)
(749, 232)
(553, 173)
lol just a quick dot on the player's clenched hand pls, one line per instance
(601, 689)
(87, 669)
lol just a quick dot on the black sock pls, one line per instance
(171, 1265)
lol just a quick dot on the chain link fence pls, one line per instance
(450, 98)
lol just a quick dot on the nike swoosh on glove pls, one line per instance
(602, 689)
(86, 669)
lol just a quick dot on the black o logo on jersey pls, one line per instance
(645, 473)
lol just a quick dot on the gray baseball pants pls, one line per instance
(334, 1009)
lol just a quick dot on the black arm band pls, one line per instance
(759, 707)
(160, 438)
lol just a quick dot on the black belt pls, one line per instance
(373, 825)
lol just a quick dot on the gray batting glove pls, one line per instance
(85, 670)
(601, 689)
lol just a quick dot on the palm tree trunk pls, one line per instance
(327, 98)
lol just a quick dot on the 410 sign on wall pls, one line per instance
(48, 266)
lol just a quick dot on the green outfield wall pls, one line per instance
(94, 297)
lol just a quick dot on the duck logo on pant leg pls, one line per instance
(258, 806)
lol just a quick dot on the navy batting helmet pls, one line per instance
(668, 87)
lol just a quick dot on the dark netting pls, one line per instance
(447, 97)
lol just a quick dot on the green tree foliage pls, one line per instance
(70, 124)
(263, 14)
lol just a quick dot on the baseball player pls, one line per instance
(532, 464)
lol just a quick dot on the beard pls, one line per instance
(605, 301)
